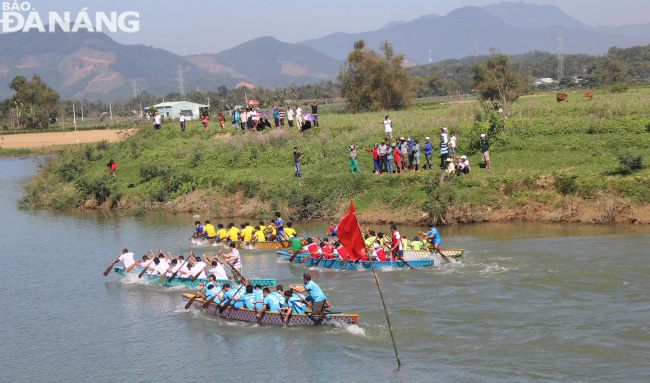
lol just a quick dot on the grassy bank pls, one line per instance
(552, 162)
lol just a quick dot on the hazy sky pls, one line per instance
(193, 26)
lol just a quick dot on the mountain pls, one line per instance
(271, 62)
(400, 22)
(93, 66)
(460, 31)
(529, 16)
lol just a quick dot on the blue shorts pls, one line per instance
(453, 150)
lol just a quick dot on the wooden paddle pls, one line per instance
(222, 309)
(231, 266)
(207, 303)
(128, 269)
(108, 270)
(443, 256)
(303, 300)
(145, 269)
(189, 303)
(295, 253)
(344, 260)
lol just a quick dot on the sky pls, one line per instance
(193, 26)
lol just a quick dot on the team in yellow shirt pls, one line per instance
(247, 233)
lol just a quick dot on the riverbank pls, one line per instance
(551, 163)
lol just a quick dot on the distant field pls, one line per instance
(553, 162)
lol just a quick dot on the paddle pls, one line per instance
(344, 260)
(231, 266)
(207, 303)
(200, 271)
(128, 269)
(222, 309)
(108, 270)
(303, 300)
(442, 255)
(146, 267)
(305, 259)
(189, 303)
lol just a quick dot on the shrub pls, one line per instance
(629, 162)
(619, 88)
(566, 184)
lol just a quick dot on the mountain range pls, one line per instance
(93, 66)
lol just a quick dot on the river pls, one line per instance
(528, 302)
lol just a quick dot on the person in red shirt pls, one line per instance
(111, 168)
(396, 248)
(326, 248)
(375, 156)
(397, 158)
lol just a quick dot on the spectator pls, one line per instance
(290, 116)
(237, 119)
(181, 118)
(452, 143)
(281, 117)
(416, 156)
(314, 111)
(444, 151)
(375, 156)
(204, 121)
(354, 166)
(156, 121)
(485, 152)
(297, 156)
(299, 117)
(388, 128)
(244, 119)
(222, 120)
(111, 169)
(276, 116)
(405, 152)
(449, 169)
(389, 158)
(428, 151)
(444, 133)
(383, 152)
(463, 165)
(410, 152)
(397, 158)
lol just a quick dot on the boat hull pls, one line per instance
(248, 315)
(187, 282)
(336, 264)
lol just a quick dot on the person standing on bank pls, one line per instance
(297, 156)
(485, 152)
(181, 118)
(428, 151)
(354, 166)
(111, 169)
(444, 152)
(388, 128)
(156, 121)
(314, 111)
(290, 116)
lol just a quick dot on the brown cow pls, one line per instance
(589, 95)
(562, 97)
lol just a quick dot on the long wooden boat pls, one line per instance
(187, 282)
(414, 258)
(250, 245)
(248, 315)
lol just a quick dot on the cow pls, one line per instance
(589, 95)
(562, 97)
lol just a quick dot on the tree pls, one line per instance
(610, 70)
(371, 81)
(496, 81)
(36, 98)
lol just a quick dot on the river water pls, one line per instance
(528, 302)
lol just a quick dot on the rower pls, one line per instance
(249, 298)
(258, 234)
(258, 295)
(144, 262)
(279, 293)
(186, 271)
(173, 268)
(200, 267)
(208, 231)
(397, 248)
(416, 244)
(278, 225)
(296, 245)
(211, 288)
(317, 298)
(126, 257)
(229, 295)
(312, 248)
(294, 305)
(434, 237)
(198, 230)
(222, 233)
(152, 267)
(326, 248)
(233, 232)
(289, 231)
(271, 302)
(370, 238)
(340, 250)
(234, 258)
(217, 270)
(379, 252)
(247, 232)
(224, 290)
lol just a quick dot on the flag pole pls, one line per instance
(381, 295)
(390, 328)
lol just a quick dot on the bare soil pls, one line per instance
(45, 140)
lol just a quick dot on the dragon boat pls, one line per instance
(413, 258)
(248, 315)
(249, 245)
(187, 282)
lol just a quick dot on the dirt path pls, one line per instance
(43, 140)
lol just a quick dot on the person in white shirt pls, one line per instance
(217, 270)
(452, 143)
(388, 128)
(299, 117)
(181, 118)
(290, 116)
(444, 133)
(234, 259)
(126, 257)
(156, 121)
(173, 268)
(466, 169)
(200, 267)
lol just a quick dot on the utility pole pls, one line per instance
(476, 49)
(181, 86)
(135, 88)
(560, 58)
(82, 111)
(74, 117)
(430, 60)
(110, 106)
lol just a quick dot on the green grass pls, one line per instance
(15, 152)
(547, 150)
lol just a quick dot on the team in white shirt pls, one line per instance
(165, 264)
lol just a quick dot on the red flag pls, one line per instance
(350, 235)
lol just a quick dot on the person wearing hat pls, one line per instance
(444, 152)
(463, 165)
(449, 170)
(404, 150)
(485, 152)
(397, 158)
(428, 151)
(416, 156)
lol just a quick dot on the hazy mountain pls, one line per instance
(93, 66)
(529, 16)
(400, 22)
(459, 32)
(270, 62)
